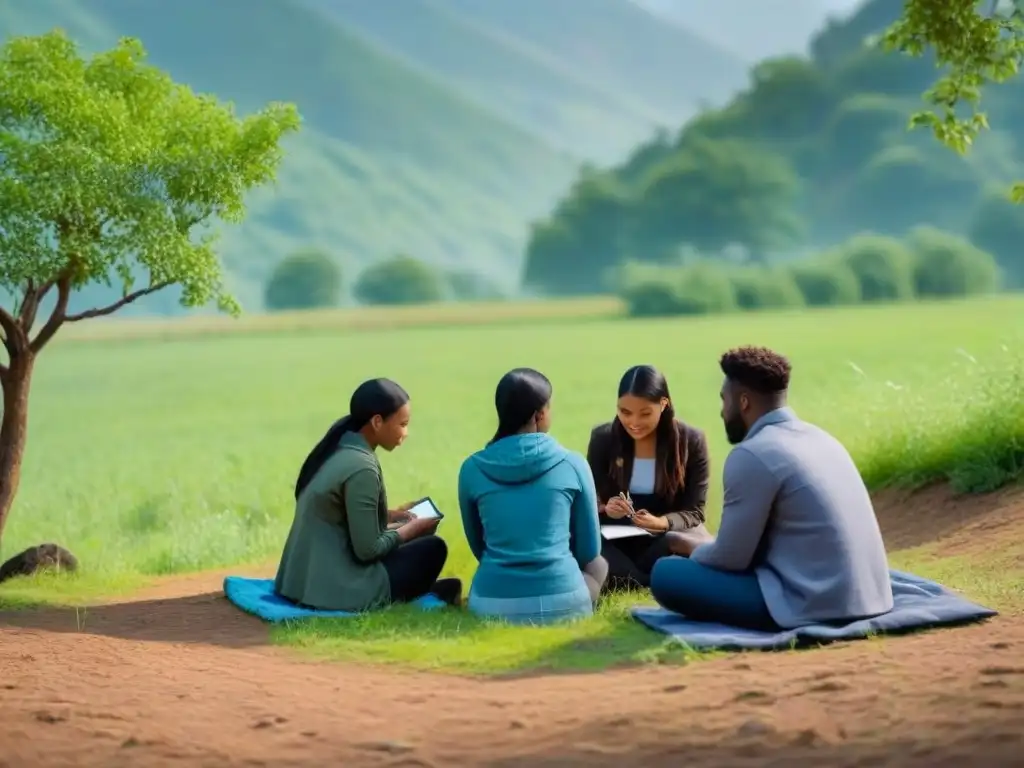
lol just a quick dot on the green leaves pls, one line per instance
(975, 48)
(111, 171)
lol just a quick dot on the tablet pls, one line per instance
(425, 508)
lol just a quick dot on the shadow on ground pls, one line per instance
(207, 619)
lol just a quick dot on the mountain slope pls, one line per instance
(753, 30)
(619, 44)
(593, 76)
(389, 159)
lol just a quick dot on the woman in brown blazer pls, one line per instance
(651, 473)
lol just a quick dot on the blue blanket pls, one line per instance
(918, 604)
(256, 596)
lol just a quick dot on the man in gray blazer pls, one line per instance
(798, 542)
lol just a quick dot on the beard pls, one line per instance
(735, 429)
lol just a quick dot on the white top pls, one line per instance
(642, 481)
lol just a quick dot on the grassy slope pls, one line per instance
(390, 159)
(178, 472)
(525, 64)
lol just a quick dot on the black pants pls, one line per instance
(630, 561)
(414, 567)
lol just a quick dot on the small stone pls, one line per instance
(391, 747)
(754, 728)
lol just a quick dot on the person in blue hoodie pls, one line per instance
(529, 511)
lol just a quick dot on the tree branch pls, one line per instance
(10, 331)
(57, 317)
(123, 302)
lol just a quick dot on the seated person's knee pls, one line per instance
(597, 569)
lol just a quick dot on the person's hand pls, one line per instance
(401, 515)
(617, 508)
(650, 523)
(684, 542)
(417, 527)
(679, 544)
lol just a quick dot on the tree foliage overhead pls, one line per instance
(978, 43)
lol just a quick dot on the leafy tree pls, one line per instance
(109, 169)
(788, 96)
(304, 280)
(572, 252)
(903, 186)
(826, 281)
(947, 265)
(860, 128)
(401, 280)
(976, 43)
(884, 267)
(997, 226)
(714, 194)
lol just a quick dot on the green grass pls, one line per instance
(165, 455)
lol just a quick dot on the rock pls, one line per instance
(752, 728)
(39, 558)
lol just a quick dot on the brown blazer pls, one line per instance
(686, 509)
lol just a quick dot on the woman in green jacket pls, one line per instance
(346, 550)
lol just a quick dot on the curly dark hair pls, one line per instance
(757, 368)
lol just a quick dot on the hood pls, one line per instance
(519, 458)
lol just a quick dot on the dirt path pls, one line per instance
(179, 677)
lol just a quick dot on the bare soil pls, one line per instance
(178, 677)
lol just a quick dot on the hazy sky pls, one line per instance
(753, 29)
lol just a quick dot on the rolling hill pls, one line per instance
(438, 128)
(590, 76)
(750, 30)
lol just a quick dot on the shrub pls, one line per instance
(946, 265)
(400, 280)
(697, 289)
(305, 280)
(826, 282)
(765, 288)
(884, 267)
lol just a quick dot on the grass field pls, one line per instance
(155, 454)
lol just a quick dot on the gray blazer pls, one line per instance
(796, 511)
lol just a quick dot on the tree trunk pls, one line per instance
(13, 428)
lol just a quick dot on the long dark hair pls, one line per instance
(521, 394)
(648, 383)
(376, 397)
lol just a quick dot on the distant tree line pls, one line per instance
(867, 268)
(815, 151)
(312, 279)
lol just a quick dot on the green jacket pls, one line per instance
(331, 559)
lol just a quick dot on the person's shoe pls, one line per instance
(448, 590)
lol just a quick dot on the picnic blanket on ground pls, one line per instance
(256, 596)
(918, 603)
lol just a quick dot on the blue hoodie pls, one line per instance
(529, 510)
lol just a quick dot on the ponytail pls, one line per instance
(522, 393)
(322, 451)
